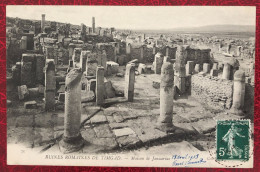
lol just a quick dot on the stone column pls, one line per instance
(166, 59)
(189, 67)
(76, 55)
(50, 84)
(142, 54)
(43, 22)
(228, 48)
(239, 50)
(158, 61)
(100, 86)
(83, 60)
(129, 82)
(206, 67)
(197, 68)
(23, 43)
(238, 93)
(71, 50)
(72, 140)
(226, 71)
(180, 72)
(215, 66)
(164, 122)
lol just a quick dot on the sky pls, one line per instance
(139, 17)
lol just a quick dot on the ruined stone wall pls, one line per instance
(110, 50)
(198, 56)
(148, 55)
(136, 53)
(214, 92)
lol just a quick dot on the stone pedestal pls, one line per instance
(164, 122)
(226, 71)
(129, 82)
(72, 140)
(238, 93)
(100, 86)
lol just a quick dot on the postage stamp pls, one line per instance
(232, 140)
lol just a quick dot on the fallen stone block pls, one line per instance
(23, 92)
(120, 75)
(30, 105)
(110, 91)
(34, 92)
(156, 85)
(133, 61)
(124, 132)
(114, 66)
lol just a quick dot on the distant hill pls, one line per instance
(217, 28)
(203, 29)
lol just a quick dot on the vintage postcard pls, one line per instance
(164, 86)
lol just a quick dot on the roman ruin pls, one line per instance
(91, 89)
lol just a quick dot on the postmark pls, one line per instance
(233, 140)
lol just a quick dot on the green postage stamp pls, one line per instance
(233, 140)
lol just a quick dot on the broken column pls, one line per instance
(129, 82)
(72, 140)
(180, 72)
(83, 60)
(158, 61)
(164, 122)
(50, 84)
(23, 43)
(76, 56)
(100, 86)
(189, 67)
(228, 48)
(239, 48)
(226, 71)
(238, 92)
(43, 22)
(206, 67)
(71, 50)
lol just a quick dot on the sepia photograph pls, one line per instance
(130, 86)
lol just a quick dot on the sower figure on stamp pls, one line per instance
(232, 133)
